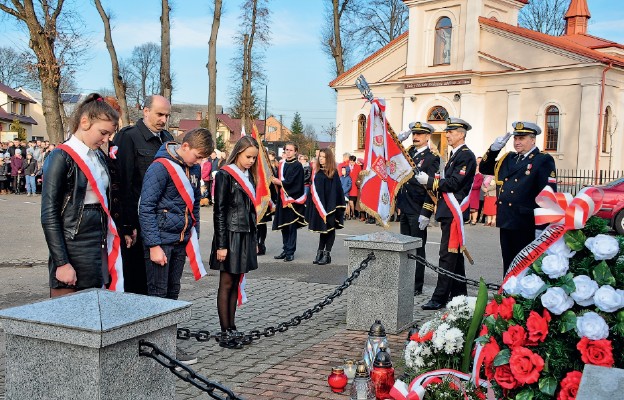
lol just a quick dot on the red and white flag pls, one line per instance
(387, 165)
(263, 186)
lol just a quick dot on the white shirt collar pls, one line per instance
(78, 146)
(528, 152)
(421, 149)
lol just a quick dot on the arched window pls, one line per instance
(606, 130)
(437, 114)
(442, 46)
(361, 131)
(552, 129)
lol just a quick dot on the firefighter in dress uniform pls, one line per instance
(520, 177)
(452, 190)
(413, 200)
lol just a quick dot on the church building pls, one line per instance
(469, 59)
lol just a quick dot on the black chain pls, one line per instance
(460, 278)
(148, 349)
(247, 338)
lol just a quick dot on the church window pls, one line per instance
(442, 46)
(552, 129)
(606, 130)
(437, 114)
(361, 131)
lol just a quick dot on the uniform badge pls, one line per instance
(463, 171)
(528, 170)
(531, 155)
(421, 163)
(552, 178)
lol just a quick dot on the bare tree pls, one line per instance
(13, 72)
(118, 83)
(211, 114)
(166, 86)
(333, 40)
(141, 72)
(376, 23)
(44, 32)
(330, 131)
(544, 16)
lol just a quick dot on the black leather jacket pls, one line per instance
(233, 210)
(62, 202)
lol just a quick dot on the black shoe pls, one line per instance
(432, 305)
(229, 341)
(319, 255)
(325, 258)
(392, 218)
(281, 256)
(417, 292)
(371, 221)
(261, 249)
(184, 357)
(289, 258)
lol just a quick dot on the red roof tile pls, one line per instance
(9, 117)
(188, 124)
(15, 94)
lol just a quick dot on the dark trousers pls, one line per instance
(289, 239)
(512, 241)
(409, 227)
(446, 287)
(135, 280)
(164, 280)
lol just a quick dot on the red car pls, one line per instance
(613, 204)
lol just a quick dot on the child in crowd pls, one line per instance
(345, 182)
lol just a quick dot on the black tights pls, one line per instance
(326, 241)
(262, 232)
(226, 299)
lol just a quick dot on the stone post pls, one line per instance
(384, 290)
(85, 346)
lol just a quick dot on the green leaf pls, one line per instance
(602, 274)
(525, 394)
(498, 298)
(537, 264)
(475, 324)
(575, 240)
(518, 313)
(619, 328)
(502, 357)
(568, 321)
(567, 283)
(548, 385)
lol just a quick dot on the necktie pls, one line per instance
(519, 157)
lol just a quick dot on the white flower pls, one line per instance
(471, 302)
(560, 248)
(608, 299)
(585, 289)
(456, 302)
(530, 286)
(555, 266)
(556, 300)
(604, 247)
(512, 286)
(592, 326)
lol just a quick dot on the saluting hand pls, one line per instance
(500, 142)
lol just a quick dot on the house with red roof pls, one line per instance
(470, 59)
(15, 106)
(228, 128)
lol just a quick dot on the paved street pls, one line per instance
(290, 365)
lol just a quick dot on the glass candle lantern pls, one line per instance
(382, 374)
(376, 336)
(337, 380)
(362, 387)
(349, 369)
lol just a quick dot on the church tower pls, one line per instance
(577, 17)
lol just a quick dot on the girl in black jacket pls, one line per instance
(234, 245)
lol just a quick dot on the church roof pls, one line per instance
(578, 8)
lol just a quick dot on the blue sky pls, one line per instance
(298, 72)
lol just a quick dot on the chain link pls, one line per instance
(183, 372)
(248, 337)
(460, 278)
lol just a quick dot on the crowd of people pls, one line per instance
(21, 164)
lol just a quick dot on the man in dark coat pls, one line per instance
(136, 147)
(520, 177)
(453, 191)
(290, 207)
(413, 200)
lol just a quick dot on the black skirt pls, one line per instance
(241, 256)
(86, 252)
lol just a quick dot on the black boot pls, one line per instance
(319, 254)
(261, 249)
(325, 258)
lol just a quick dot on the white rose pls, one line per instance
(555, 266)
(530, 286)
(608, 299)
(604, 247)
(512, 286)
(592, 326)
(556, 300)
(585, 289)
(560, 248)
(471, 302)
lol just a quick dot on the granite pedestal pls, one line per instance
(601, 383)
(385, 289)
(85, 346)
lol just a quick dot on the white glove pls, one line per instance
(500, 142)
(404, 135)
(422, 178)
(423, 222)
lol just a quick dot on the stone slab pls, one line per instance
(94, 318)
(601, 383)
(384, 240)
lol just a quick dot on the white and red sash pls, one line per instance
(318, 204)
(113, 241)
(286, 199)
(457, 238)
(182, 183)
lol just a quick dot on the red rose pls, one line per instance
(489, 352)
(491, 308)
(505, 378)
(525, 365)
(420, 339)
(569, 386)
(596, 352)
(514, 336)
(505, 309)
(538, 327)
(484, 330)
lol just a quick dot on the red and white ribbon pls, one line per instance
(113, 241)
(286, 199)
(417, 388)
(182, 183)
(457, 239)
(318, 204)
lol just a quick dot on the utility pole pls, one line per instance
(265, 111)
(281, 137)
